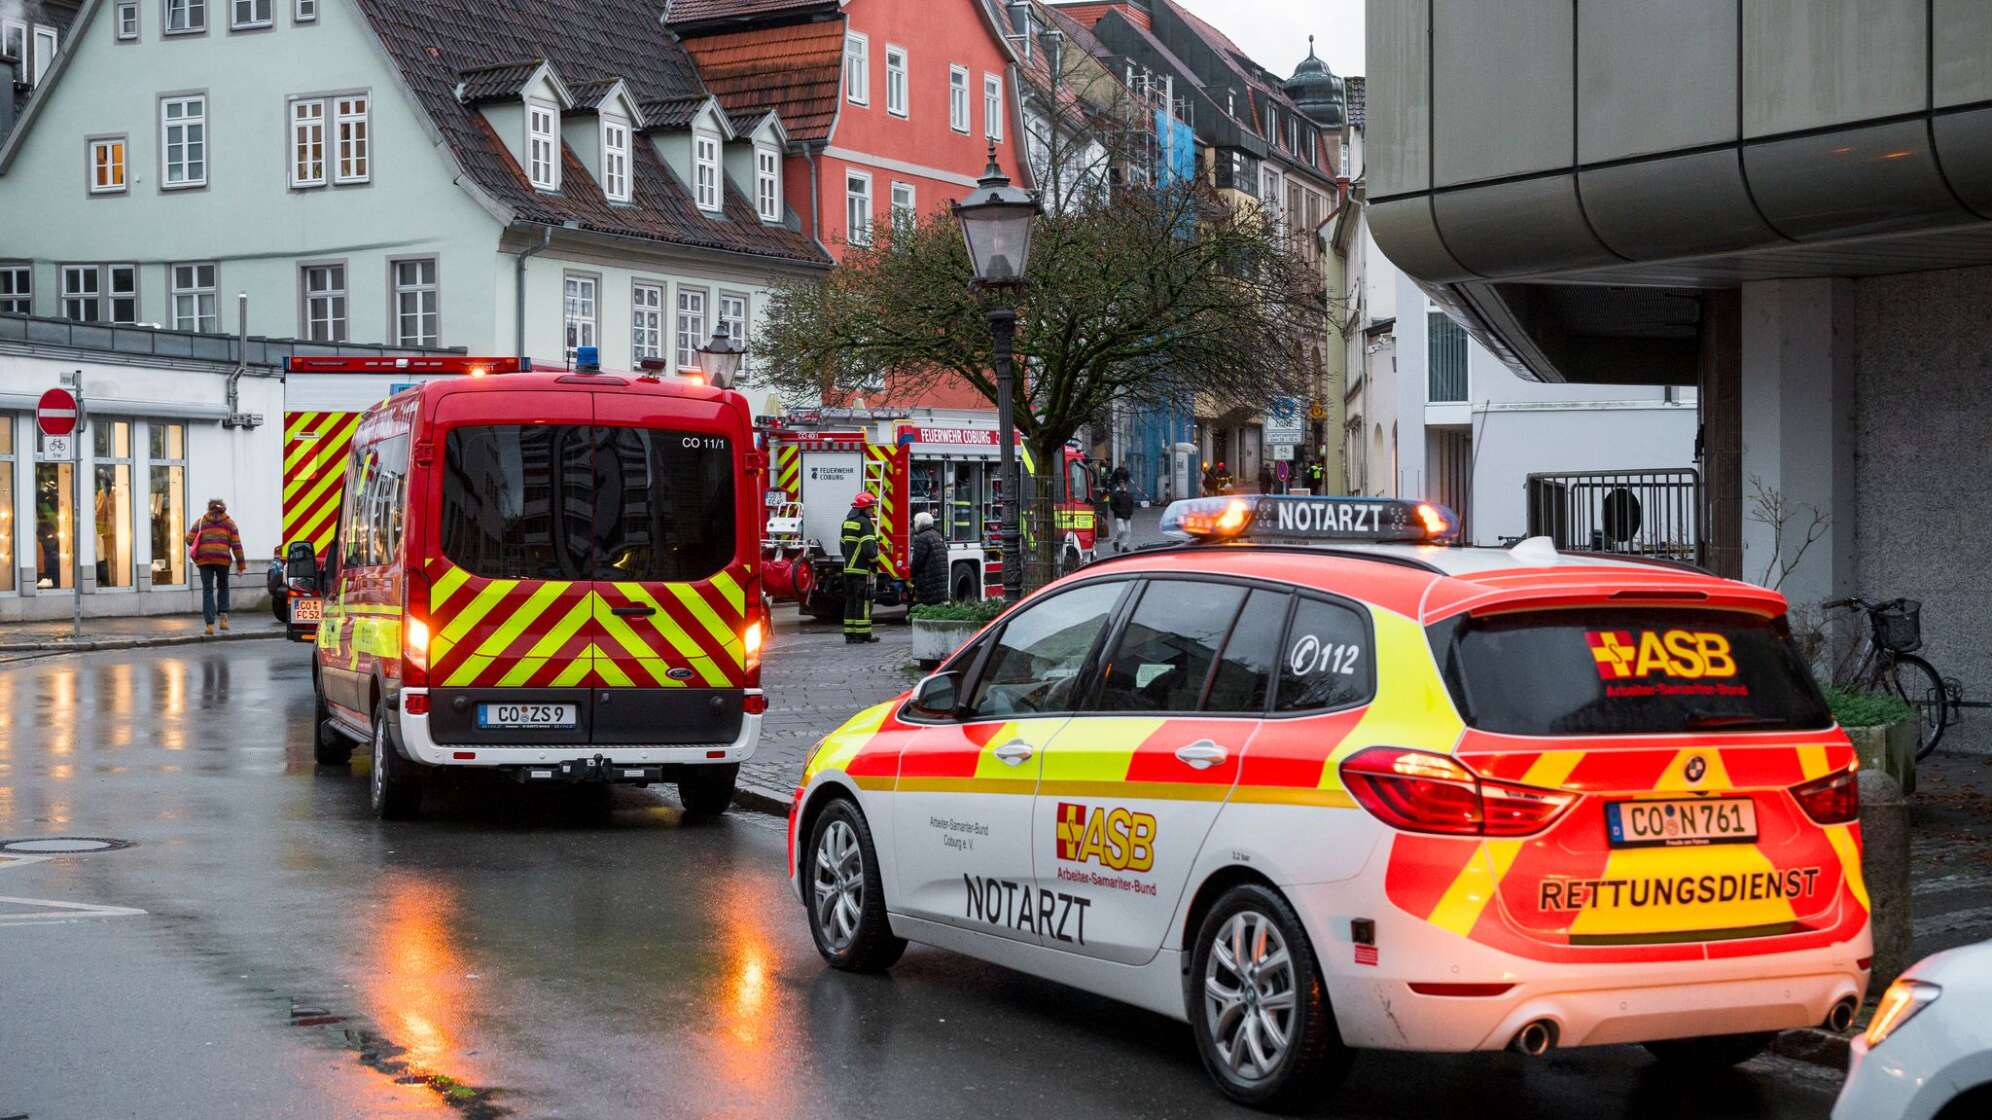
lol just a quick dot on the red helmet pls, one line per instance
(864, 500)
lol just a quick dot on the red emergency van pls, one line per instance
(552, 575)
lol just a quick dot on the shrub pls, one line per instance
(982, 611)
(1867, 709)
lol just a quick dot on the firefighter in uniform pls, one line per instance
(860, 541)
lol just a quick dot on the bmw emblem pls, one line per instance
(1696, 768)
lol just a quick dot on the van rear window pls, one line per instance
(1626, 671)
(574, 502)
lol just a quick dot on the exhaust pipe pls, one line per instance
(1534, 1040)
(1841, 1016)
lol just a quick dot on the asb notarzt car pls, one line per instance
(1315, 784)
(549, 575)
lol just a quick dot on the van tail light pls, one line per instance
(1422, 792)
(754, 703)
(751, 640)
(1833, 799)
(415, 629)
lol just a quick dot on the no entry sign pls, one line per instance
(56, 413)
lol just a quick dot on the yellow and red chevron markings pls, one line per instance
(315, 448)
(787, 472)
(559, 633)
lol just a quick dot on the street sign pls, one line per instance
(58, 449)
(1283, 421)
(55, 414)
(1283, 452)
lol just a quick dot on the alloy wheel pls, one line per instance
(839, 884)
(1250, 1001)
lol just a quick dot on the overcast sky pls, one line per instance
(1274, 32)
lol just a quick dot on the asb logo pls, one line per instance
(1117, 838)
(1684, 654)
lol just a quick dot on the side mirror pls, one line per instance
(938, 697)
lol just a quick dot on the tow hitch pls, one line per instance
(599, 769)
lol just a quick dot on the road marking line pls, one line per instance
(60, 911)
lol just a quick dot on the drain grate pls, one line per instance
(61, 846)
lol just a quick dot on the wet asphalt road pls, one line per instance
(297, 958)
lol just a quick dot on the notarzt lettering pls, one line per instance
(1017, 906)
(1325, 517)
(1683, 890)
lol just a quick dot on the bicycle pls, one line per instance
(1885, 660)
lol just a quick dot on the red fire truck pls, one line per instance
(913, 463)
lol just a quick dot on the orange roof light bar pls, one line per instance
(1309, 520)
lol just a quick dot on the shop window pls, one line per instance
(166, 472)
(55, 491)
(6, 501)
(112, 510)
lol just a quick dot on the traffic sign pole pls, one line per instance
(78, 423)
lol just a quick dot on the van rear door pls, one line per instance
(674, 532)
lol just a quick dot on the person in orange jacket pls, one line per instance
(214, 539)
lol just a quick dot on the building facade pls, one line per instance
(1260, 149)
(1804, 230)
(890, 109)
(396, 172)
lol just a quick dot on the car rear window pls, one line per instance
(1627, 671)
(575, 502)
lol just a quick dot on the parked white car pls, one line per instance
(1927, 1054)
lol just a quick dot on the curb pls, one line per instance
(758, 800)
(95, 645)
(1814, 1045)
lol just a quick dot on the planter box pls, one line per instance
(934, 640)
(1890, 748)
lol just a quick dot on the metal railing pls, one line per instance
(1656, 513)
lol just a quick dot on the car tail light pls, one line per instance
(1421, 792)
(415, 629)
(751, 640)
(415, 703)
(754, 703)
(1833, 799)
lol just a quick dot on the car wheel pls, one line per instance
(1718, 1051)
(396, 789)
(1257, 1005)
(328, 747)
(707, 790)
(845, 895)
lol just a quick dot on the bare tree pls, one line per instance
(1795, 528)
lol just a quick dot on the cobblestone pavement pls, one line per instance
(815, 682)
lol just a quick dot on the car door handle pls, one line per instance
(1201, 755)
(637, 611)
(1015, 752)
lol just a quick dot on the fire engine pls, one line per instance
(945, 464)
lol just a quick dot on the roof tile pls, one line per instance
(795, 70)
(437, 43)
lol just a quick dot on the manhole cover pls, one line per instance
(62, 845)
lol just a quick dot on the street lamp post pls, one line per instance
(996, 220)
(720, 358)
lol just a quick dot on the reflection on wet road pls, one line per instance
(296, 957)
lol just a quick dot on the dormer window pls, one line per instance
(768, 183)
(705, 171)
(615, 159)
(543, 146)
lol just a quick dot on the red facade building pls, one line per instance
(891, 105)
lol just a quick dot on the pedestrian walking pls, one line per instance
(930, 561)
(1265, 478)
(860, 541)
(214, 540)
(1122, 501)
